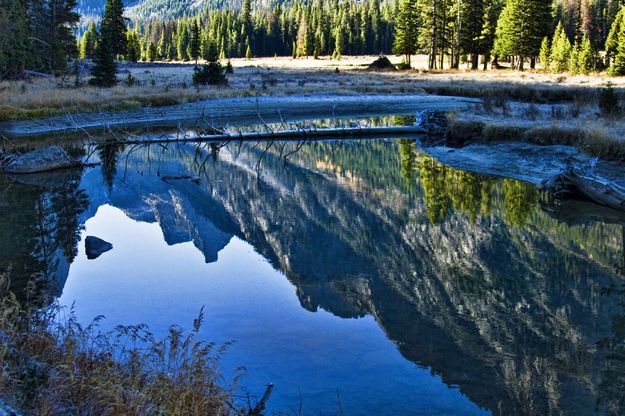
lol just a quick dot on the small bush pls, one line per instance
(211, 73)
(609, 102)
(130, 80)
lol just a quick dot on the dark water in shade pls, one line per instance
(359, 278)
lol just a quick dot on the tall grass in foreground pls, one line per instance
(52, 365)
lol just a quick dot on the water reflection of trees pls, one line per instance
(446, 189)
(108, 153)
(611, 397)
(490, 292)
(41, 229)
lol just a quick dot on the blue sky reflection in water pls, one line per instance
(359, 266)
(246, 299)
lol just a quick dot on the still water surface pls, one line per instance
(360, 277)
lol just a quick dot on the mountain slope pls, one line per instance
(151, 9)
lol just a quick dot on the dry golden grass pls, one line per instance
(51, 365)
(596, 141)
(165, 84)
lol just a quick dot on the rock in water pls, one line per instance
(95, 247)
(432, 121)
(41, 160)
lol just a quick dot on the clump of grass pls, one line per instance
(497, 132)
(530, 94)
(532, 112)
(596, 142)
(52, 365)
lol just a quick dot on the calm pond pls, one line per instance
(360, 277)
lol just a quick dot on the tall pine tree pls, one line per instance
(104, 72)
(195, 42)
(522, 26)
(115, 22)
(407, 30)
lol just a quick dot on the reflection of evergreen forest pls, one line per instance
(467, 274)
(40, 229)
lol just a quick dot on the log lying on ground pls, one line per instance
(589, 184)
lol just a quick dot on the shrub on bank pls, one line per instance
(52, 365)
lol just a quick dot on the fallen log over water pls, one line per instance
(298, 134)
(244, 110)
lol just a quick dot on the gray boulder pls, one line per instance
(95, 247)
(433, 121)
(40, 160)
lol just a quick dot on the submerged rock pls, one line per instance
(95, 247)
(41, 160)
(432, 121)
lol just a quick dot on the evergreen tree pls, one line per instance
(212, 72)
(545, 54)
(612, 41)
(246, 19)
(302, 41)
(52, 33)
(407, 30)
(183, 43)
(339, 44)
(104, 72)
(522, 26)
(88, 42)
(469, 37)
(194, 44)
(162, 47)
(151, 52)
(205, 47)
(618, 67)
(574, 60)
(587, 59)
(133, 46)
(248, 49)
(114, 20)
(560, 50)
(492, 11)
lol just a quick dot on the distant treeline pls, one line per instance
(563, 35)
(452, 32)
(319, 27)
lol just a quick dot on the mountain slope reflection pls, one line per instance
(469, 276)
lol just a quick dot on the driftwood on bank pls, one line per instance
(585, 181)
(597, 188)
